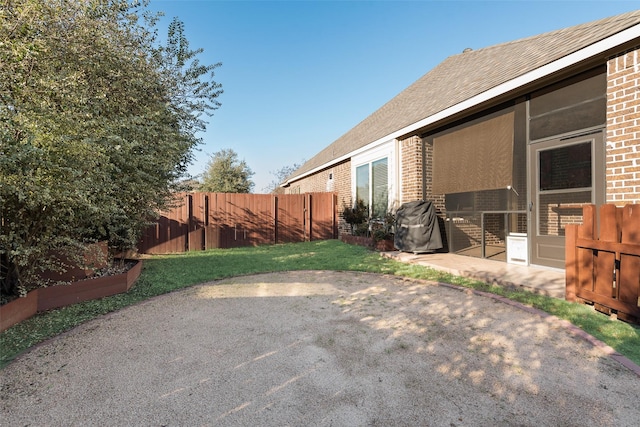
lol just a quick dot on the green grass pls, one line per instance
(162, 274)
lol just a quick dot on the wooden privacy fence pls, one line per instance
(225, 220)
(605, 271)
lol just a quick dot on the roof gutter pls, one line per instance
(555, 66)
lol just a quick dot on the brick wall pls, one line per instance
(623, 128)
(437, 199)
(411, 169)
(340, 183)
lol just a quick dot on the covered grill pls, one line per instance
(417, 228)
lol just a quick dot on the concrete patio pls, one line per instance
(542, 280)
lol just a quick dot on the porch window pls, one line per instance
(569, 106)
(372, 186)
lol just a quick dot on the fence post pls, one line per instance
(334, 201)
(197, 221)
(307, 217)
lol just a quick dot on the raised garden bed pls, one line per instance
(62, 295)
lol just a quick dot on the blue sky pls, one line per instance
(299, 74)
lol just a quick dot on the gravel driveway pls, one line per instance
(319, 349)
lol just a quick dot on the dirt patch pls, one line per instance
(319, 348)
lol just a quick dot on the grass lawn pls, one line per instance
(162, 274)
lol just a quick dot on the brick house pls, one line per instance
(508, 141)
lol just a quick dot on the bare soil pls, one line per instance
(321, 349)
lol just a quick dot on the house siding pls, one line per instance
(623, 128)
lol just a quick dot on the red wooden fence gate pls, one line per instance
(224, 220)
(605, 271)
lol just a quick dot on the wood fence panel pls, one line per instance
(604, 262)
(239, 220)
(243, 219)
(197, 221)
(225, 217)
(585, 257)
(178, 227)
(263, 231)
(290, 216)
(212, 233)
(229, 225)
(169, 234)
(323, 221)
(630, 264)
(255, 225)
(606, 271)
(225, 220)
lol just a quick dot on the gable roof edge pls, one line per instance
(576, 57)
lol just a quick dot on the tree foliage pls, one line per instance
(280, 176)
(225, 173)
(99, 120)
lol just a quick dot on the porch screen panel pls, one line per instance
(478, 157)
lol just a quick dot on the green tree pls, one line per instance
(280, 176)
(225, 173)
(99, 121)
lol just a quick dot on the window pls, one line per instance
(362, 184)
(380, 181)
(566, 167)
(372, 186)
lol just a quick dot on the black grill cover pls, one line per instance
(417, 228)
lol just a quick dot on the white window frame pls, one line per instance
(388, 150)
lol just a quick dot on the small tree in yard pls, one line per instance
(99, 121)
(226, 174)
(280, 176)
(356, 216)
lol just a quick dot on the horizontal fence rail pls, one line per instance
(202, 221)
(604, 268)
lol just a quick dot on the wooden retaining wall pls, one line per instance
(57, 296)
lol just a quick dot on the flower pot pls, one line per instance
(385, 245)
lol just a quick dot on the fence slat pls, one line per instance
(630, 265)
(609, 225)
(604, 267)
(197, 219)
(585, 256)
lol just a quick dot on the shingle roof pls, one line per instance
(465, 75)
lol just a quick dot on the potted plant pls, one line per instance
(356, 216)
(383, 232)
